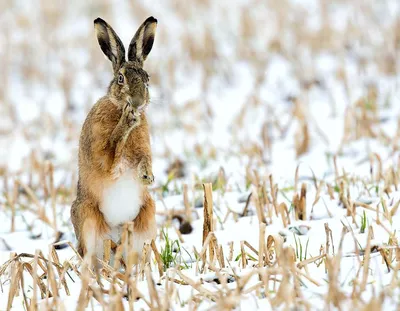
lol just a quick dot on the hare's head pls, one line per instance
(130, 82)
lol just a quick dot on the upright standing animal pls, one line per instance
(114, 149)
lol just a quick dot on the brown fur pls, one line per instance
(114, 136)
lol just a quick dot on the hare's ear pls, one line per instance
(142, 42)
(110, 43)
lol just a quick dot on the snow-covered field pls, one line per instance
(289, 108)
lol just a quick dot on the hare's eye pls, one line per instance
(120, 79)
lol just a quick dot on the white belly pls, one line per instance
(122, 199)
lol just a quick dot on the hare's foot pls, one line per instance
(130, 119)
(145, 173)
(118, 169)
(130, 116)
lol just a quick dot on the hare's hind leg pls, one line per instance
(145, 228)
(77, 223)
(90, 227)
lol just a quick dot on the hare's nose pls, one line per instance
(137, 101)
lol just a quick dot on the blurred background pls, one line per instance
(259, 97)
(234, 84)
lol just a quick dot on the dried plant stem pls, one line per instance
(366, 261)
(261, 245)
(208, 219)
(107, 250)
(53, 194)
(243, 255)
(259, 207)
(158, 258)
(13, 202)
(15, 279)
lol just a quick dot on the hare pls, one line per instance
(115, 163)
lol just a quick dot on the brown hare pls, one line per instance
(115, 165)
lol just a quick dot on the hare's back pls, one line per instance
(98, 126)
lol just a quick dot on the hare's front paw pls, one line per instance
(130, 116)
(145, 173)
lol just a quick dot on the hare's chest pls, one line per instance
(122, 199)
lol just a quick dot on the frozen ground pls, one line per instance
(303, 91)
